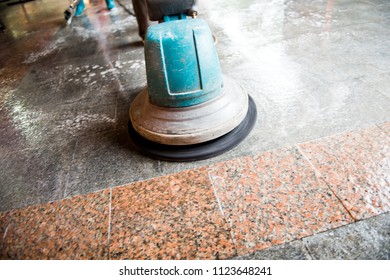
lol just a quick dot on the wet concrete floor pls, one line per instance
(314, 68)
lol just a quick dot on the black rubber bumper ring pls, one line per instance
(199, 151)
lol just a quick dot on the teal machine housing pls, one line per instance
(189, 109)
(182, 64)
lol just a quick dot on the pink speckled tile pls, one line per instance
(171, 217)
(356, 166)
(75, 228)
(273, 198)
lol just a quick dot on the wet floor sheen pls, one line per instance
(314, 68)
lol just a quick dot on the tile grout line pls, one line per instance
(69, 170)
(326, 183)
(381, 93)
(381, 129)
(306, 248)
(222, 212)
(318, 173)
(109, 224)
(216, 195)
(116, 111)
(339, 199)
(5, 232)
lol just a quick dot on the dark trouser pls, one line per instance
(2, 26)
(141, 13)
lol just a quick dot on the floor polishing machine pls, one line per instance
(189, 110)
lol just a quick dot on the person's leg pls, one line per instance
(141, 13)
(2, 26)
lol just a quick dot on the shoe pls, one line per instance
(110, 4)
(79, 8)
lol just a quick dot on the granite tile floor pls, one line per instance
(312, 180)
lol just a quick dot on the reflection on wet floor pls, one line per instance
(315, 167)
